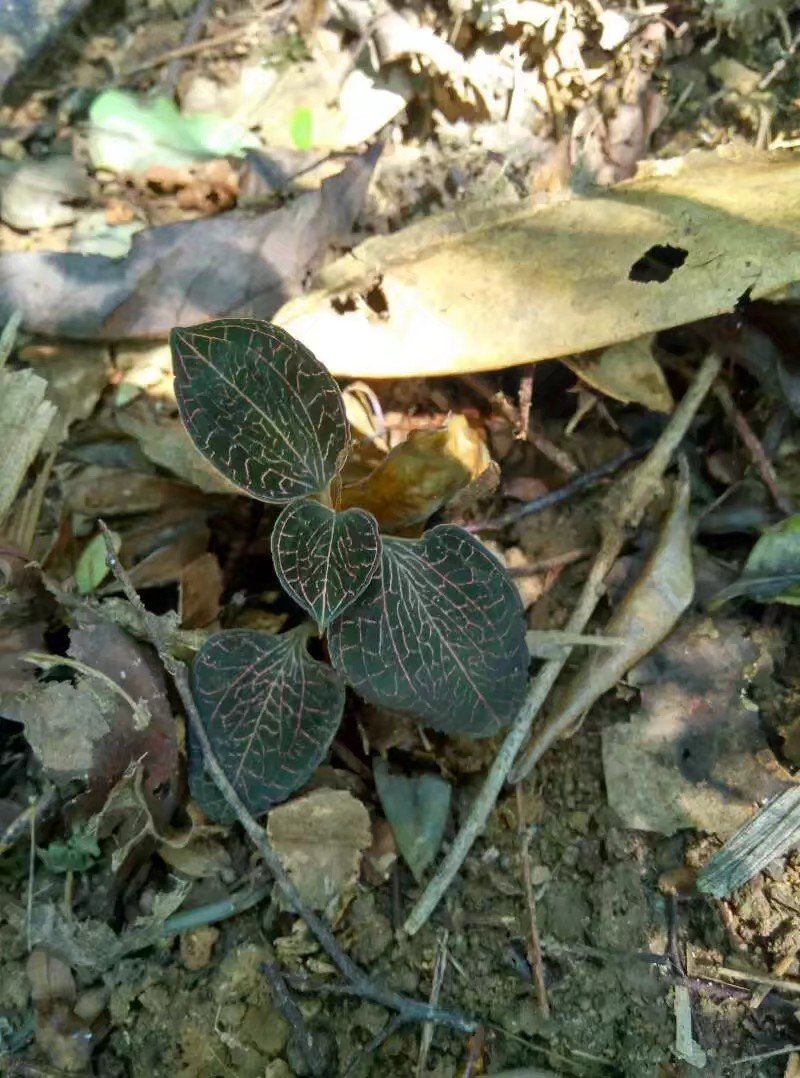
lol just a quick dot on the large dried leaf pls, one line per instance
(486, 288)
(191, 271)
(270, 712)
(420, 475)
(438, 634)
(259, 407)
(324, 559)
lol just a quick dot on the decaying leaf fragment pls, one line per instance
(320, 839)
(484, 288)
(420, 475)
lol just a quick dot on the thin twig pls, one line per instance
(181, 51)
(535, 948)
(439, 970)
(561, 494)
(555, 454)
(194, 28)
(38, 811)
(558, 561)
(524, 402)
(635, 496)
(754, 448)
(360, 984)
(284, 1002)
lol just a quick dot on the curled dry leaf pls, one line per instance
(320, 839)
(727, 222)
(628, 372)
(420, 475)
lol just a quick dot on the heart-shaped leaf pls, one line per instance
(325, 559)
(438, 634)
(259, 407)
(270, 712)
(416, 807)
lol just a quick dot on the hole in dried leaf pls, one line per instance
(657, 264)
(343, 305)
(376, 300)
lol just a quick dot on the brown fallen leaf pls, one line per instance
(163, 440)
(61, 1035)
(179, 274)
(420, 475)
(320, 839)
(76, 375)
(200, 592)
(103, 492)
(695, 755)
(484, 288)
(129, 740)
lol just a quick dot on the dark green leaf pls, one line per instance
(270, 712)
(259, 407)
(325, 559)
(438, 634)
(416, 807)
(77, 854)
(772, 571)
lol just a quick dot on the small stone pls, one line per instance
(197, 947)
(266, 1029)
(278, 1068)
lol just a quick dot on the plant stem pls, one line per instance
(361, 985)
(626, 512)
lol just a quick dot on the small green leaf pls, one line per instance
(259, 407)
(416, 807)
(772, 571)
(92, 567)
(128, 133)
(270, 712)
(77, 854)
(439, 634)
(325, 559)
(302, 128)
